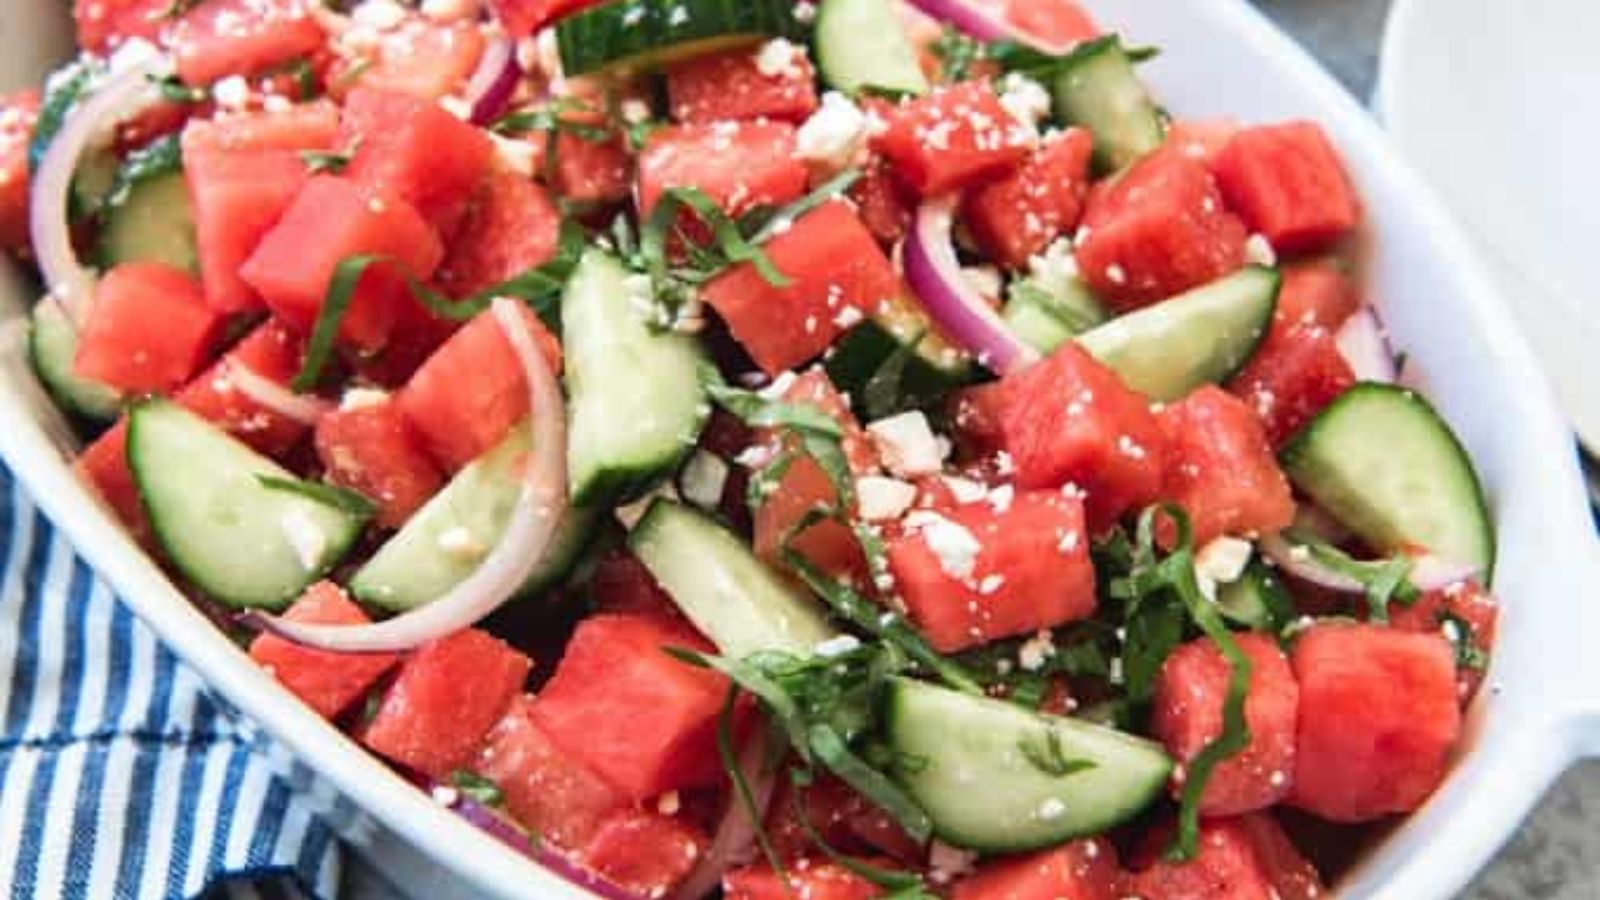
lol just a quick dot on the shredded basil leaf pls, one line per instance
(794, 212)
(1461, 635)
(341, 290)
(831, 751)
(957, 52)
(342, 499)
(1046, 754)
(551, 118)
(732, 245)
(820, 436)
(318, 161)
(884, 393)
(742, 792)
(888, 879)
(1385, 580)
(477, 787)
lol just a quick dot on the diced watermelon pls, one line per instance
(599, 172)
(733, 85)
(270, 351)
(645, 853)
(1017, 217)
(847, 821)
(524, 17)
(472, 391)
(104, 465)
(547, 790)
(837, 274)
(1008, 564)
(1379, 717)
(739, 165)
(236, 198)
(1070, 420)
(1220, 468)
(307, 126)
(1190, 693)
(810, 879)
(1288, 183)
(416, 336)
(19, 112)
(446, 697)
(1157, 230)
(622, 585)
(372, 449)
(104, 24)
(1297, 372)
(1291, 875)
(1058, 22)
(328, 682)
(1225, 868)
(1463, 613)
(331, 220)
(149, 329)
(419, 58)
(1201, 140)
(413, 149)
(954, 137)
(511, 227)
(1081, 870)
(644, 720)
(242, 37)
(884, 205)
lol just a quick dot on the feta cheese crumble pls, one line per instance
(881, 499)
(835, 135)
(908, 445)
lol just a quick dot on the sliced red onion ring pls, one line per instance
(736, 834)
(1363, 344)
(1432, 573)
(65, 278)
(961, 313)
(1428, 572)
(269, 394)
(521, 548)
(494, 82)
(986, 20)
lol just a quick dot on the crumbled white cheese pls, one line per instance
(947, 863)
(232, 92)
(986, 280)
(517, 156)
(952, 544)
(881, 499)
(132, 52)
(1056, 269)
(669, 803)
(908, 445)
(965, 490)
(835, 135)
(1258, 251)
(381, 15)
(779, 58)
(445, 795)
(1001, 497)
(305, 537)
(805, 12)
(1025, 99)
(1035, 650)
(448, 10)
(362, 398)
(704, 477)
(837, 646)
(457, 107)
(630, 515)
(1223, 559)
(635, 111)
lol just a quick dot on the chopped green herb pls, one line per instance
(163, 156)
(173, 90)
(332, 162)
(819, 434)
(477, 787)
(828, 190)
(343, 499)
(741, 785)
(1385, 580)
(63, 91)
(1047, 755)
(341, 290)
(957, 53)
(1461, 635)
(884, 393)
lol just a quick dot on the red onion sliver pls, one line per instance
(66, 280)
(735, 834)
(1431, 573)
(521, 548)
(494, 82)
(961, 313)
(986, 20)
(1299, 562)
(270, 395)
(1364, 346)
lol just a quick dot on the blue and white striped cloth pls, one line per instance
(119, 777)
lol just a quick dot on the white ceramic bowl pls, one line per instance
(1219, 57)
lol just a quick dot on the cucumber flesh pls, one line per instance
(977, 780)
(639, 34)
(243, 543)
(1257, 601)
(154, 224)
(862, 44)
(52, 347)
(1383, 463)
(1101, 91)
(1201, 337)
(1045, 316)
(731, 596)
(637, 403)
(448, 539)
(935, 368)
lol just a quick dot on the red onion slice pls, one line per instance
(1428, 572)
(66, 279)
(270, 395)
(521, 548)
(1363, 344)
(494, 82)
(988, 21)
(736, 834)
(1433, 573)
(961, 313)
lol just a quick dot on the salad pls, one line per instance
(828, 450)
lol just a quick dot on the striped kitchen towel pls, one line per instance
(119, 777)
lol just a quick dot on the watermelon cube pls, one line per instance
(1220, 468)
(845, 819)
(1291, 875)
(149, 329)
(236, 198)
(413, 149)
(1463, 613)
(1070, 420)
(623, 586)
(644, 720)
(1201, 140)
(1190, 693)
(272, 352)
(1315, 293)
(471, 392)
(331, 220)
(592, 172)
(103, 465)
(734, 85)
(644, 852)
(372, 449)
(1225, 868)
(328, 682)
(1007, 564)
(1295, 374)
(739, 165)
(885, 206)
(1155, 231)
(810, 879)
(104, 24)
(837, 274)
(242, 37)
(1061, 23)
(418, 58)
(1081, 870)
(18, 113)
(547, 790)
(952, 138)
(1379, 717)
(511, 227)
(446, 697)
(1288, 183)
(1017, 217)
(305, 126)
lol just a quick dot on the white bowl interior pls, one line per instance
(1219, 58)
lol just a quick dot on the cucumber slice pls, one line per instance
(153, 224)
(449, 537)
(1099, 89)
(1257, 601)
(637, 404)
(244, 544)
(1198, 338)
(1383, 463)
(863, 43)
(977, 777)
(934, 369)
(1045, 316)
(52, 346)
(729, 594)
(637, 34)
